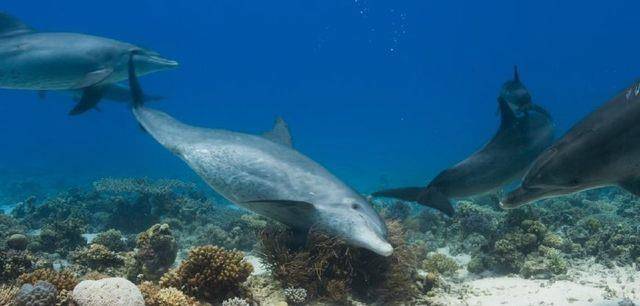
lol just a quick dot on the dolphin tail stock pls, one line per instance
(409, 194)
(433, 198)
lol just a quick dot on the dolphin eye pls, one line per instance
(355, 206)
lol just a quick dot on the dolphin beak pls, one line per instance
(384, 249)
(158, 62)
(524, 195)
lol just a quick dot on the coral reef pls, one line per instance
(330, 270)
(62, 280)
(8, 294)
(156, 296)
(15, 263)
(440, 263)
(17, 242)
(97, 257)
(157, 250)
(112, 239)
(41, 293)
(210, 273)
(235, 302)
(107, 291)
(60, 237)
(295, 296)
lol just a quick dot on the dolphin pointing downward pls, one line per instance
(519, 140)
(266, 175)
(68, 61)
(601, 150)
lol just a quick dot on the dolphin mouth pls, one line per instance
(525, 195)
(162, 62)
(383, 249)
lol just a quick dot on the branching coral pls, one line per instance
(210, 273)
(14, 263)
(112, 239)
(97, 257)
(329, 269)
(157, 250)
(60, 237)
(156, 296)
(441, 264)
(62, 280)
(7, 294)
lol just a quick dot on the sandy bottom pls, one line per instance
(586, 283)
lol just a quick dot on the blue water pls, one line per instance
(380, 92)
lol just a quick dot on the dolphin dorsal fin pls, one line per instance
(508, 117)
(10, 26)
(516, 75)
(280, 133)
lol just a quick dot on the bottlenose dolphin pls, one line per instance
(601, 150)
(504, 159)
(68, 61)
(518, 96)
(266, 175)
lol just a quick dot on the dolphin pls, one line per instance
(519, 140)
(601, 150)
(265, 174)
(518, 96)
(68, 61)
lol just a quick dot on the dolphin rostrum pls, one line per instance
(68, 61)
(266, 175)
(504, 159)
(601, 150)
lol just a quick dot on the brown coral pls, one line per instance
(7, 294)
(157, 250)
(330, 269)
(210, 273)
(156, 296)
(63, 280)
(98, 257)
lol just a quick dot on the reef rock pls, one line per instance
(107, 292)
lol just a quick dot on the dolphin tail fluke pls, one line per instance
(435, 199)
(407, 194)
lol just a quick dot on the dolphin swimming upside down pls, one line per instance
(68, 61)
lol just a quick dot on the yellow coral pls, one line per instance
(156, 296)
(7, 293)
(63, 280)
(209, 272)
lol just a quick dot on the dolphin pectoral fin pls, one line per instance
(539, 109)
(10, 26)
(280, 133)
(436, 199)
(297, 213)
(632, 186)
(93, 78)
(90, 98)
(407, 194)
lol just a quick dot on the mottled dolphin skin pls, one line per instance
(601, 150)
(519, 140)
(68, 61)
(266, 175)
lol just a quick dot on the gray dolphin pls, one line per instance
(518, 96)
(266, 175)
(68, 61)
(519, 140)
(601, 150)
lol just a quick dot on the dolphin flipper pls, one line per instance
(90, 98)
(435, 199)
(280, 133)
(93, 78)
(11, 26)
(294, 212)
(407, 194)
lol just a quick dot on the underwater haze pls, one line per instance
(379, 92)
(383, 94)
